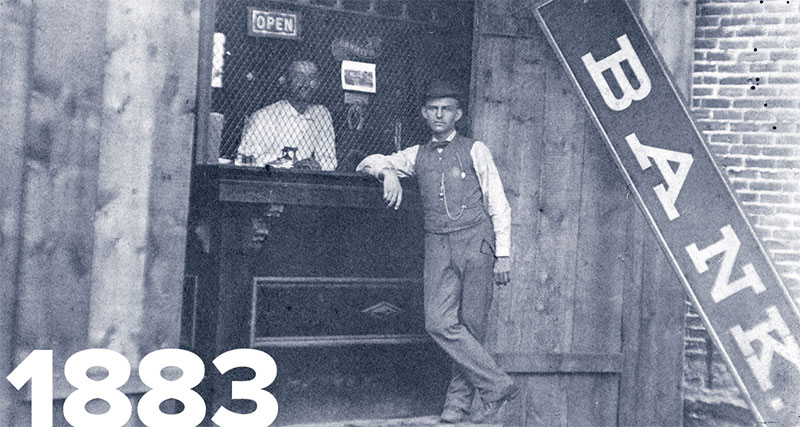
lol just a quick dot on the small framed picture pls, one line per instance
(358, 76)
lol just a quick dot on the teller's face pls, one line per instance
(441, 115)
(303, 84)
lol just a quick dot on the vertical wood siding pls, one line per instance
(97, 123)
(60, 185)
(15, 33)
(588, 275)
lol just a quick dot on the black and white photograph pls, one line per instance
(546, 213)
(358, 76)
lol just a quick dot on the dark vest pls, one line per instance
(453, 170)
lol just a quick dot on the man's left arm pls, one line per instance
(498, 208)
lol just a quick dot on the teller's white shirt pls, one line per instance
(279, 125)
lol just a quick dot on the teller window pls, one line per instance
(321, 84)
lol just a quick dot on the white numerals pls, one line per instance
(98, 375)
(37, 367)
(266, 405)
(150, 372)
(107, 388)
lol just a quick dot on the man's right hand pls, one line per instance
(392, 190)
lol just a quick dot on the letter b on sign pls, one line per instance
(614, 63)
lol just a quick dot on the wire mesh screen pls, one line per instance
(257, 89)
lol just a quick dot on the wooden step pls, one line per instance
(396, 422)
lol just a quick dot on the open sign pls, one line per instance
(265, 23)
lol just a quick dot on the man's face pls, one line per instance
(302, 84)
(441, 114)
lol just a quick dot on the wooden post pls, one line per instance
(97, 114)
(144, 162)
(671, 26)
(15, 37)
(206, 147)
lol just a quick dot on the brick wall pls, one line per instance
(746, 100)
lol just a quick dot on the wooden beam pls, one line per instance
(204, 151)
(553, 363)
(149, 83)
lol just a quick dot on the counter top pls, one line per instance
(244, 184)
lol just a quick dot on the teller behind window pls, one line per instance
(293, 122)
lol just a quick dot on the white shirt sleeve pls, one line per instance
(258, 137)
(401, 162)
(248, 146)
(494, 197)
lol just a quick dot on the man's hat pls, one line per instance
(442, 89)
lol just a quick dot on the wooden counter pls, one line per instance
(312, 268)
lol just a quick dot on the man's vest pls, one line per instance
(451, 193)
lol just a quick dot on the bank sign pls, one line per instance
(687, 201)
(266, 23)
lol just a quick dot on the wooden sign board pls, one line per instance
(684, 196)
(266, 23)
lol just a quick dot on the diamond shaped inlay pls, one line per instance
(382, 310)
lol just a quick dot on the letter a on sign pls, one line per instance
(674, 179)
(614, 63)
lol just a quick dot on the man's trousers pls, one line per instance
(458, 294)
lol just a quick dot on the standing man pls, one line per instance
(467, 247)
(293, 122)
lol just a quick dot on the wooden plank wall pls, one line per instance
(15, 33)
(58, 193)
(646, 397)
(588, 275)
(670, 25)
(97, 112)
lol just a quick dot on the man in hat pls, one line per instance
(293, 122)
(467, 247)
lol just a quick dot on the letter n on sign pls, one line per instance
(684, 196)
(270, 23)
